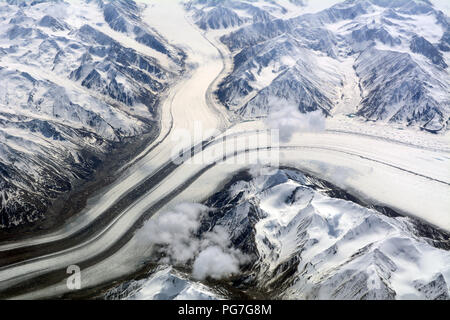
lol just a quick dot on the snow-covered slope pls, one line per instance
(397, 52)
(313, 241)
(165, 283)
(212, 14)
(76, 78)
(281, 71)
(306, 239)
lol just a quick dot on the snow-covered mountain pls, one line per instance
(313, 241)
(306, 239)
(76, 78)
(227, 14)
(384, 60)
(79, 76)
(165, 283)
(81, 85)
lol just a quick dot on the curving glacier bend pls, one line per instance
(351, 155)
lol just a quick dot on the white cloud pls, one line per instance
(175, 231)
(289, 120)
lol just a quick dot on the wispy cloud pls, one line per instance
(175, 233)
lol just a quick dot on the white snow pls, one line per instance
(390, 167)
(168, 284)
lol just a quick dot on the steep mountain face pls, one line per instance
(213, 15)
(306, 239)
(124, 16)
(77, 77)
(422, 46)
(397, 52)
(391, 78)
